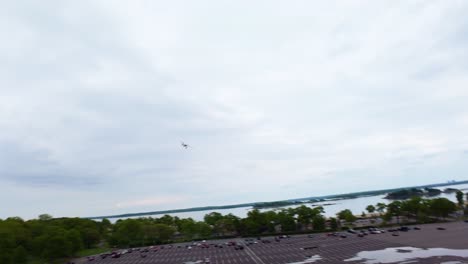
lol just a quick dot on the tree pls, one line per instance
(286, 220)
(442, 207)
(203, 230)
(255, 222)
(187, 227)
(128, 232)
(318, 222)
(168, 220)
(346, 215)
(165, 232)
(74, 237)
(104, 226)
(394, 209)
(45, 217)
(370, 208)
(459, 195)
(90, 237)
(304, 214)
(20, 255)
(212, 218)
(56, 246)
(157, 233)
(7, 243)
(333, 223)
(380, 207)
(413, 207)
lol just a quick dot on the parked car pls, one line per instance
(239, 247)
(404, 229)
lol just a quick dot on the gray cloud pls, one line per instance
(96, 96)
(24, 166)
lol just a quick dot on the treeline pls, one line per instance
(49, 239)
(149, 231)
(46, 238)
(420, 209)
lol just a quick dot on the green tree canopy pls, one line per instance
(346, 215)
(459, 196)
(370, 208)
(442, 207)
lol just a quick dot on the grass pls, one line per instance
(92, 251)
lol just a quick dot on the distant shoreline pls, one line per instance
(313, 199)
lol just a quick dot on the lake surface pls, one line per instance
(356, 205)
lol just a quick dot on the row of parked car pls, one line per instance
(374, 230)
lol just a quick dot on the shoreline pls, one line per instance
(296, 201)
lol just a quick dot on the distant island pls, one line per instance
(427, 190)
(408, 193)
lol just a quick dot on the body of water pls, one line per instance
(356, 205)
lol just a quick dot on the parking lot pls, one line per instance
(316, 248)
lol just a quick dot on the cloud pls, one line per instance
(29, 167)
(96, 96)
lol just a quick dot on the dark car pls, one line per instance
(309, 248)
(441, 228)
(404, 229)
(417, 228)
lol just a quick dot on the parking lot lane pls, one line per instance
(252, 254)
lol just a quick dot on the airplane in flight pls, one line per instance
(184, 145)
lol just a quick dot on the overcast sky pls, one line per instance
(277, 99)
